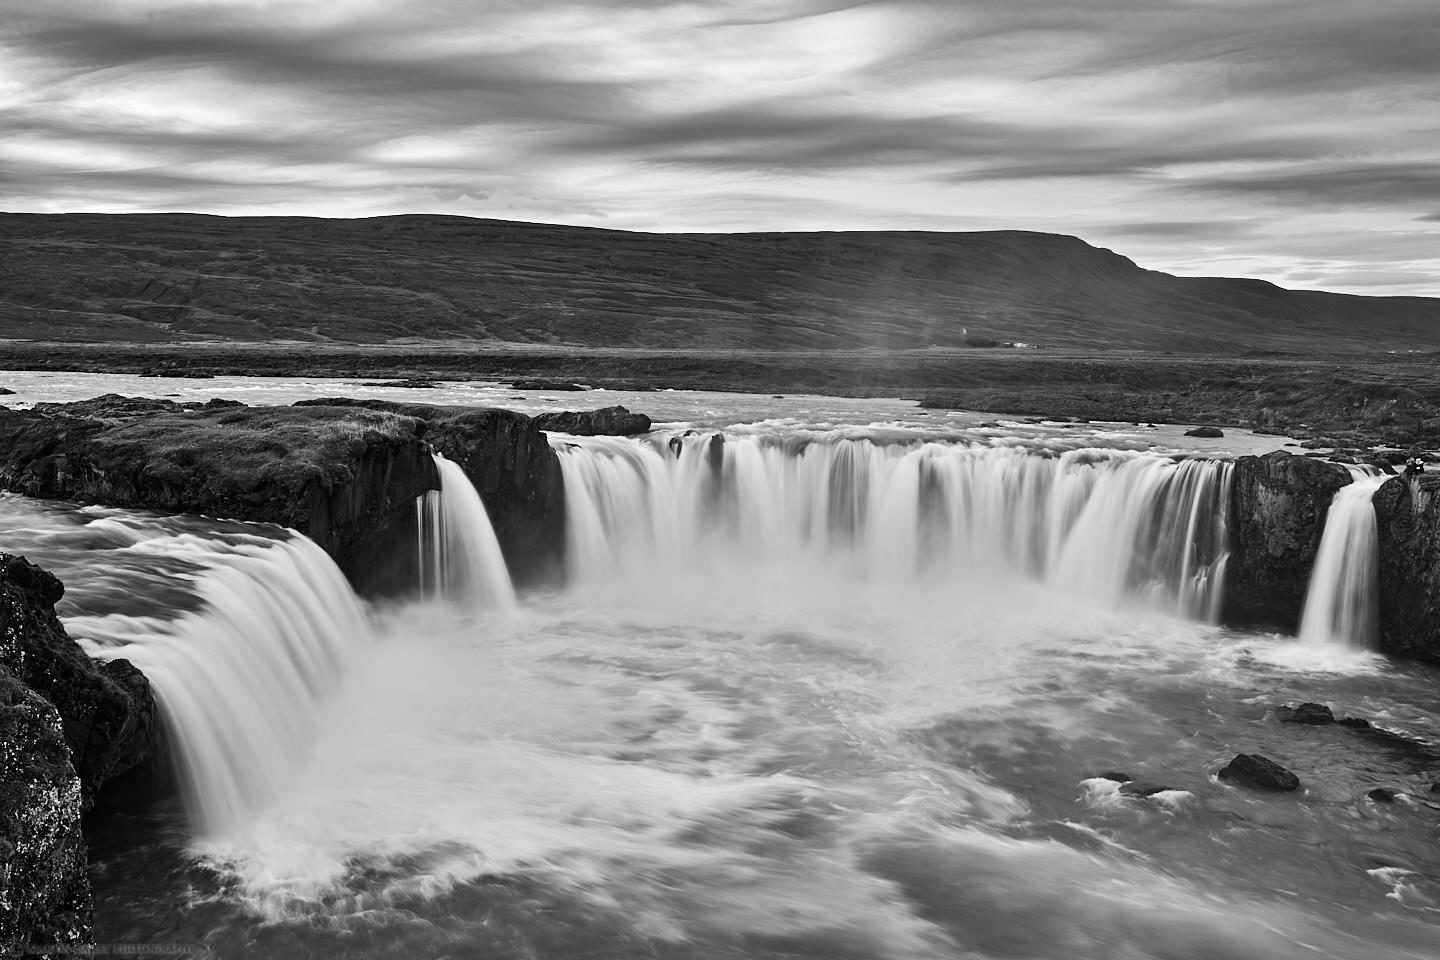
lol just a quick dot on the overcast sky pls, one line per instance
(1295, 140)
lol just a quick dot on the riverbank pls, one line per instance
(1374, 399)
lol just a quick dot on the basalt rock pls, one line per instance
(1407, 515)
(44, 889)
(68, 724)
(1209, 433)
(609, 422)
(347, 478)
(1314, 714)
(1262, 773)
(1278, 504)
(107, 711)
(508, 459)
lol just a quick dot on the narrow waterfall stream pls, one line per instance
(1340, 603)
(460, 559)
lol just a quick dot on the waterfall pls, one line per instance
(1111, 525)
(460, 557)
(1340, 601)
(240, 680)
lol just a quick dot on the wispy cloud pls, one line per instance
(1286, 138)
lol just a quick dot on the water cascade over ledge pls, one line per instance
(1108, 525)
(460, 558)
(1341, 600)
(241, 680)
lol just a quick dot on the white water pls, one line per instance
(1106, 525)
(460, 558)
(241, 681)
(841, 737)
(1341, 608)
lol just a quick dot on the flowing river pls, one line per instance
(840, 685)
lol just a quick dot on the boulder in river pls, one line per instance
(1253, 770)
(1208, 433)
(1315, 714)
(608, 422)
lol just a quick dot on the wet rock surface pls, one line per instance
(1407, 515)
(1261, 773)
(345, 473)
(609, 422)
(1277, 516)
(68, 724)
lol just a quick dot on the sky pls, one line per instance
(1293, 140)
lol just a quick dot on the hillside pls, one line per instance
(176, 277)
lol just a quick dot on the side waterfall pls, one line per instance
(460, 559)
(241, 679)
(1340, 601)
(1111, 525)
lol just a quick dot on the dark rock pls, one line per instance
(214, 403)
(44, 889)
(107, 711)
(344, 472)
(1355, 723)
(608, 421)
(540, 384)
(1115, 776)
(1311, 713)
(1206, 432)
(1253, 770)
(1383, 795)
(67, 725)
(1277, 514)
(6, 392)
(1139, 788)
(1407, 515)
(414, 383)
(517, 474)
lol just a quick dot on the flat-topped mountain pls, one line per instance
(169, 277)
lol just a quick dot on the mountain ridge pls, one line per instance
(207, 278)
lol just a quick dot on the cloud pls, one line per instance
(1378, 183)
(1191, 134)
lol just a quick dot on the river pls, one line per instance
(845, 689)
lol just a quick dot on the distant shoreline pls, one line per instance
(1379, 399)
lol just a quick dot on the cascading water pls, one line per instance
(460, 558)
(810, 696)
(1107, 524)
(1340, 601)
(241, 679)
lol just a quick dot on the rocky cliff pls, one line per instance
(1407, 514)
(508, 459)
(67, 725)
(345, 473)
(1277, 516)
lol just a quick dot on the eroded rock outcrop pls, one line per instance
(509, 460)
(343, 472)
(340, 479)
(1277, 515)
(107, 710)
(606, 422)
(44, 890)
(1407, 514)
(68, 724)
